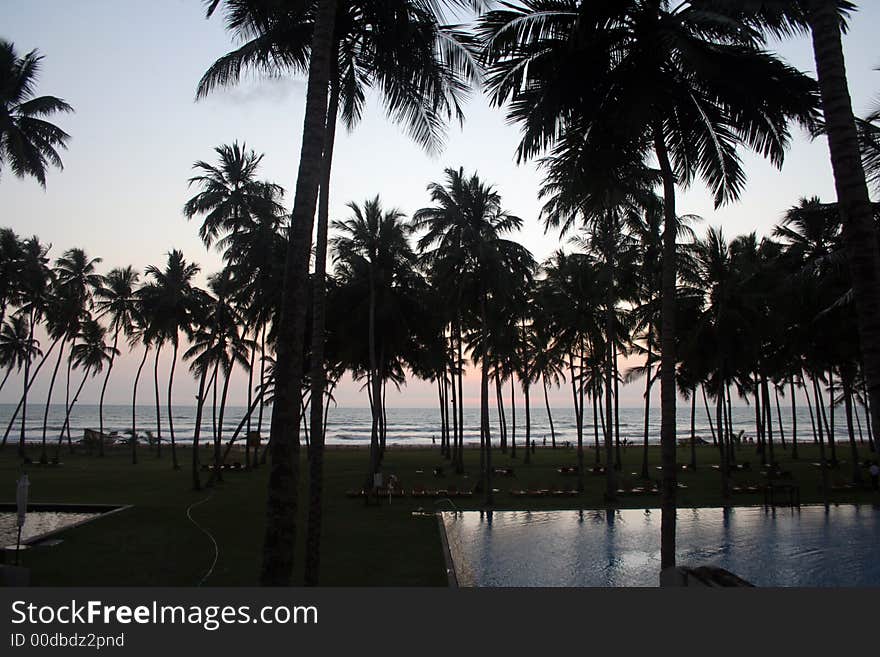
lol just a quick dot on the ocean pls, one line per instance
(406, 426)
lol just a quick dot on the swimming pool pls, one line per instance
(767, 547)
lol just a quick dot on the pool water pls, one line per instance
(38, 523)
(767, 547)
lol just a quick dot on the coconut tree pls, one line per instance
(90, 354)
(376, 241)
(16, 345)
(826, 20)
(117, 299)
(464, 236)
(684, 85)
(10, 265)
(77, 280)
(35, 278)
(170, 299)
(28, 142)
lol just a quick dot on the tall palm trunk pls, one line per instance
(174, 463)
(779, 417)
(456, 423)
(512, 416)
(667, 354)
(823, 463)
(719, 416)
(549, 414)
(610, 461)
(502, 421)
(859, 229)
(645, 473)
(694, 429)
(529, 441)
(577, 422)
(28, 381)
(200, 404)
(375, 380)
(134, 406)
(158, 405)
(854, 451)
(769, 416)
(217, 442)
(484, 410)
(282, 500)
(832, 443)
(794, 449)
(104, 390)
(67, 392)
(708, 414)
(250, 398)
(460, 466)
(44, 458)
(262, 388)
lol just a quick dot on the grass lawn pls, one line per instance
(154, 543)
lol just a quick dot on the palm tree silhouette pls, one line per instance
(463, 238)
(575, 73)
(117, 299)
(28, 142)
(17, 347)
(170, 300)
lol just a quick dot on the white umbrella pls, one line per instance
(21, 497)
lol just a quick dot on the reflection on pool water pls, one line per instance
(38, 523)
(768, 547)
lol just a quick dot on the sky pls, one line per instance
(130, 71)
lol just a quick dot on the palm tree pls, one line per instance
(90, 353)
(10, 264)
(117, 298)
(463, 237)
(34, 284)
(16, 345)
(230, 196)
(398, 47)
(375, 241)
(77, 280)
(826, 20)
(140, 333)
(580, 70)
(28, 142)
(170, 300)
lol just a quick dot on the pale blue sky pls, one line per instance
(130, 69)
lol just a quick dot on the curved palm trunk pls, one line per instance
(27, 382)
(456, 425)
(281, 505)
(618, 463)
(262, 387)
(769, 416)
(134, 406)
(158, 406)
(549, 415)
(69, 410)
(103, 391)
(6, 376)
(859, 229)
(594, 399)
(529, 442)
(375, 384)
(174, 463)
(244, 421)
(667, 355)
(44, 458)
(832, 443)
(725, 467)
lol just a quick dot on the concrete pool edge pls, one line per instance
(104, 510)
(451, 577)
